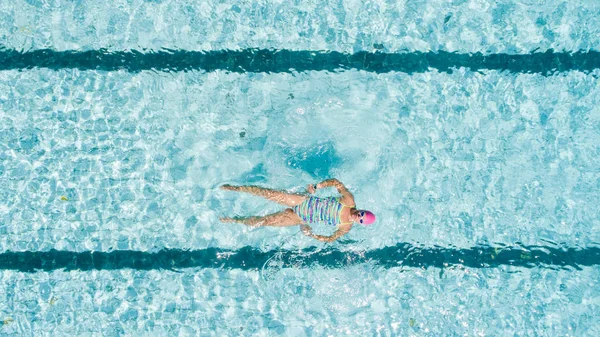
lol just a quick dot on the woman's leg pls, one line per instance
(284, 218)
(282, 197)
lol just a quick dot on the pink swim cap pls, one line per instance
(368, 218)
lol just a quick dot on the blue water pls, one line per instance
(481, 168)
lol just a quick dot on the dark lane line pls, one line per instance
(247, 258)
(287, 61)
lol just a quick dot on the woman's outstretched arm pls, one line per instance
(339, 186)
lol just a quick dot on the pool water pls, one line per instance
(471, 128)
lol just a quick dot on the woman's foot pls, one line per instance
(228, 187)
(250, 222)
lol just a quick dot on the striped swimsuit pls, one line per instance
(325, 210)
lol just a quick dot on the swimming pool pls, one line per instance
(119, 121)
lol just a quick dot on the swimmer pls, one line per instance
(304, 209)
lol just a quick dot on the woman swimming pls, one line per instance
(303, 209)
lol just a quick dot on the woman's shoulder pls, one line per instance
(345, 227)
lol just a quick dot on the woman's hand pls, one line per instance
(312, 188)
(306, 230)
